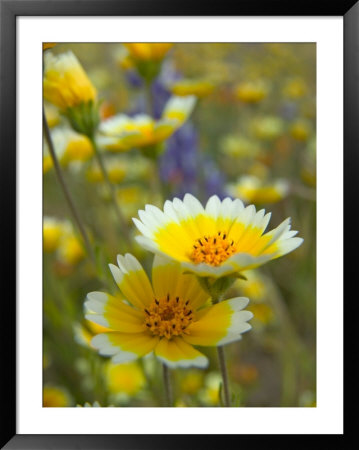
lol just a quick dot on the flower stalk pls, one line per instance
(222, 364)
(66, 192)
(168, 386)
(112, 191)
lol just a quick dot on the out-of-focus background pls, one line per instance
(251, 135)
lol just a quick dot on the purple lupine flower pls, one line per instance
(214, 180)
(179, 164)
(133, 78)
(288, 110)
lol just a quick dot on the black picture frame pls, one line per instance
(9, 11)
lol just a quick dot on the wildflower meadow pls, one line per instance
(179, 225)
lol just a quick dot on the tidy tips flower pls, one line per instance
(47, 45)
(252, 189)
(121, 133)
(70, 147)
(251, 92)
(145, 51)
(198, 87)
(168, 317)
(221, 239)
(65, 82)
(68, 87)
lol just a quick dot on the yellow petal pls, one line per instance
(177, 353)
(124, 346)
(219, 324)
(167, 278)
(132, 281)
(112, 312)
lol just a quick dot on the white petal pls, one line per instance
(213, 206)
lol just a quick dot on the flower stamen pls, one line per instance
(167, 317)
(214, 250)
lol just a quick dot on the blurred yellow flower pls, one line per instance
(210, 394)
(251, 189)
(123, 58)
(240, 147)
(309, 176)
(47, 162)
(254, 287)
(116, 171)
(131, 195)
(69, 146)
(71, 250)
(126, 378)
(59, 236)
(191, 382)
(267, 127)
(259, 169)
(55, 397)
(52, 115)
(200, 87)
(121, 132)
(295, 88)
(251, 91)
(300, 130)
(262, 312)
(66, 84)
(148, 51)
(52, 232)
(47, 45)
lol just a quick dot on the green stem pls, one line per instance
(224, 373)
(167, 384)
(223, 367)
(66, 191)
(121, 219)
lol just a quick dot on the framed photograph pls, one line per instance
(173, 201)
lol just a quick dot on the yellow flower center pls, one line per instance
(168, 317)
(212, 250)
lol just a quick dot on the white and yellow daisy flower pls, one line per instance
(198, 87)
(121, 132)
(221, 239)
(125, 378)
(55, 397)
(167, 317)
(69, 146)
(52, 232)
(66, 84)
(251, 91)
(147, 51)
(95, 404)
(252, 189)
(47, 45)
